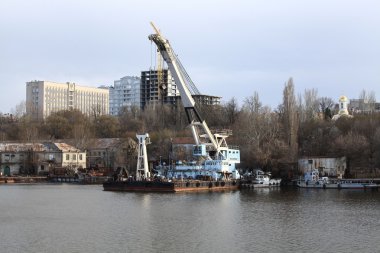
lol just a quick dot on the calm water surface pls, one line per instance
(75, 218)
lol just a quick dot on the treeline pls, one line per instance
(268, 138)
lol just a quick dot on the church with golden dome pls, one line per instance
(343, 111)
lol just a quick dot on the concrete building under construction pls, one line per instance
(158, 87)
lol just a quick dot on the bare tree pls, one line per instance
(311, 103)
(362, 100)
(290, 119)
(377, 148)
(326, 105)
(372, 101)
(367, 101)
(28, 130)
(150, 118)
(354, 147)
(106, 126)
(96, 110)
(130, 119)
(19, 110)
(231, 111)
(258, 132)
(252, 104)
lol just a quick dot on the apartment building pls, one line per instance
(45, 97)
(363, 106)
(124, 93)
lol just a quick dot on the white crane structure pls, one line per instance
(142, 170)
(219, 158)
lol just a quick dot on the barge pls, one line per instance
(173, 186)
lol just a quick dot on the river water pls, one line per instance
(80, 218)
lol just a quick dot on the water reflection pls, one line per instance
(73, 218)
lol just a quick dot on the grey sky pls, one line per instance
(229, 48)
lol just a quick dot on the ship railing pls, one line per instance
(204, 184)
(227, 132)
(233, 147)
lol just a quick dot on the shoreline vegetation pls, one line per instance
(269, 139)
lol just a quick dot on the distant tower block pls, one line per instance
(343, 111)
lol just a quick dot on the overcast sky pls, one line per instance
(229, 48)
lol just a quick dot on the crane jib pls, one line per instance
(185, 86)
(192, 114)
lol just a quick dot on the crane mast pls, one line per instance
(142, 169)
(180, 76)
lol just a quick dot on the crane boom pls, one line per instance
(169, 57)
(180, 76)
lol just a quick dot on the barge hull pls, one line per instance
(139, 186)
(154, 186)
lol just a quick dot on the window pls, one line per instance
(80, 157)
(74, 157)
(67, 157)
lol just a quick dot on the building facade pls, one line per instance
(112, 153)
(363, 106)
(44, 98)
(202, 99)
(39, 158)
(157, 87)
(327, 166)
(124, 93)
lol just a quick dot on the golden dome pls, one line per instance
(343, 99)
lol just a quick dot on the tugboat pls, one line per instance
(260, 179)
(313, 180)
(264, 180)
(214, 168)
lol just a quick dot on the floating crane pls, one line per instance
(216, 159)
(211, 146)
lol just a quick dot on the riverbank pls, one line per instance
(22, 179)
(52, 179)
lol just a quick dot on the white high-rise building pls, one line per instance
(124, 93)
(44, 98)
